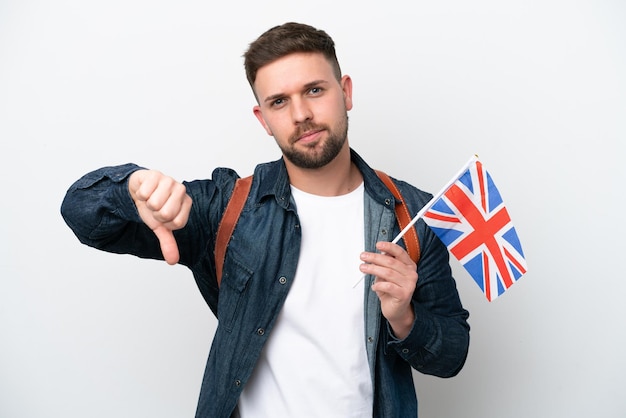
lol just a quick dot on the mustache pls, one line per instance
(304, 128)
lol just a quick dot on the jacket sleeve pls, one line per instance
(99, 210)
(439, 340)
(101, 213)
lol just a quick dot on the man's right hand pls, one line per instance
(163, 204)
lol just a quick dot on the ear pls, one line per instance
(259, 115)
(346, 86)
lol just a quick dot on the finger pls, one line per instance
(394, 250)
(161, 191)
(388, 269)
(169, 248)
(143, 183)
(181, 215)
(379, 263)
(400, 289)
(383, 287)
(373, 268)
(171, 204)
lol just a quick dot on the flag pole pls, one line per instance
(432, 201)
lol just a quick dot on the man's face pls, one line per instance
(304, 107)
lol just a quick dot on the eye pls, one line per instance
(277, 102)
(316, 90)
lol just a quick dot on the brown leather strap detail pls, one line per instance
(240, 194)
(404, 218)
(228, 222)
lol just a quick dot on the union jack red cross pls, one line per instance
(472, 221)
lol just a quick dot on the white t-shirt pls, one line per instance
(315, 363)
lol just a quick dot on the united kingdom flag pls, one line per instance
(472, 221)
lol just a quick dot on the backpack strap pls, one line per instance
(240, 195)
(404, 218)
(228, 222)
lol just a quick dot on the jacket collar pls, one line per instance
(275, 181)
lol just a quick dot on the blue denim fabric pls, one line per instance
(260, 265)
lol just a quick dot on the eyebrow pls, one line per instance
(307, 86)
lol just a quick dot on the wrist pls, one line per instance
(401, 327)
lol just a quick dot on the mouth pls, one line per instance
(310, 136)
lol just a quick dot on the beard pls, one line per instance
(316, 155)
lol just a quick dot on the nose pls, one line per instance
(301, 111)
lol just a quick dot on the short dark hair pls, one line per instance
(286, 39)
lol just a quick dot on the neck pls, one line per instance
(337, 178)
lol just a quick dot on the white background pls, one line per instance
(536, 88)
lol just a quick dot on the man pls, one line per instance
(319, 315)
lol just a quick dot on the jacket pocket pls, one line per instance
(232, 292)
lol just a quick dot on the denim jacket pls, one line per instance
(258, 270)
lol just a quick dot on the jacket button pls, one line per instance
(370, 339)
(405, 350)
(237, 382)
(387, 202)
(260, 331)
(282, 280)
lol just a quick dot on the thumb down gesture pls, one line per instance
(163, 205)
